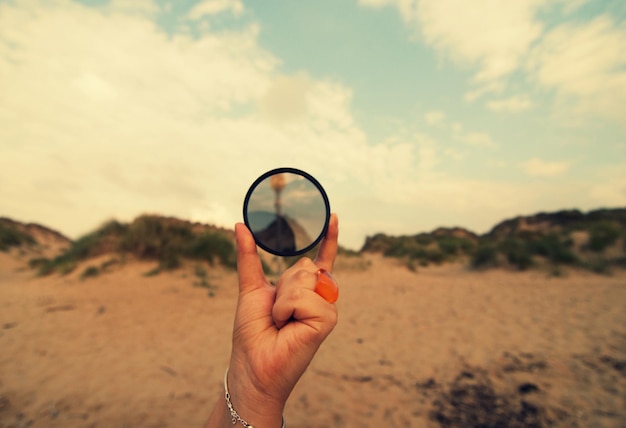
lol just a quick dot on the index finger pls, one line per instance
(328, 248)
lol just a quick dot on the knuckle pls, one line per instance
(302, 275)
(295, 295)
(304, 262)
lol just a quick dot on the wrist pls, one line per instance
(247, 405)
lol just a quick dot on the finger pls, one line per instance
(291, 275)
(328, 248)
(290, 289)
(306, 307)
(249, 266)
(297, 300)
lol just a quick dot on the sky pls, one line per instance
(413, 114)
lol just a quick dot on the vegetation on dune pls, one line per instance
(603, 234)
(423, 249)
(565, 238)
(10, 236)
(165, 240)
(595, 241)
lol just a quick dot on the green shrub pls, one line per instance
(210, 247)
(598, 265)
(153, 272)
(11, 237)
(436, 256)
(411, 265)
(152, 238)
(37, 262)
(484, 257)
(517, 253)
(401, 248)
(603, 235)
(169, 261)
(419, 253)
(200, 271)
(66, 267)
(556, 271)
(108, 263)
(46, 268)
(424, 239)
(452, 245)
(203, 281)
(449, 245)
(342, 251)
(90, 272)
(554, 248)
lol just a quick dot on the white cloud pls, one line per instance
(457, 127)
(286, 99)
(140, 7)
(583, 62)
(513, 104)
(476, 139)
(483, 89)
(454, 154)
(491, 35)
(536, 167)
(213, 7)
(106, 112)
(586, 64)
(434, 117)
(375, 3)
(612, 188)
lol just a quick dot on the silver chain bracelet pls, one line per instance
(234, 416)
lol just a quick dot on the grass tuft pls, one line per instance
(12, 237)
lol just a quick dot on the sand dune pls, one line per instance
(437, 347)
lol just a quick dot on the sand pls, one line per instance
(439, 347)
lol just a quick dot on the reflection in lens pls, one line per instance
(287, 212)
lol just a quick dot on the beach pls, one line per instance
(443, 346)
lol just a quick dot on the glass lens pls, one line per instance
(287, 211)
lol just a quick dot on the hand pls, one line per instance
(277, 329)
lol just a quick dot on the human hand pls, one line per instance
(277, 329)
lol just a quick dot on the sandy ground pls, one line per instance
(440, 347)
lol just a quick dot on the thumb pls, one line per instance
(249, 266)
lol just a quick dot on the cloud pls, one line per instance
(476, 139)
(612, 185)
(138, 7)
(213, 7)
(585, 63)
(376, 3)
(143, 121)
(513, 104)
(490, 35)
(434, 117)
(536, 167)
(460, 134)
(286, 99)
(104, 114)
(472, 138)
